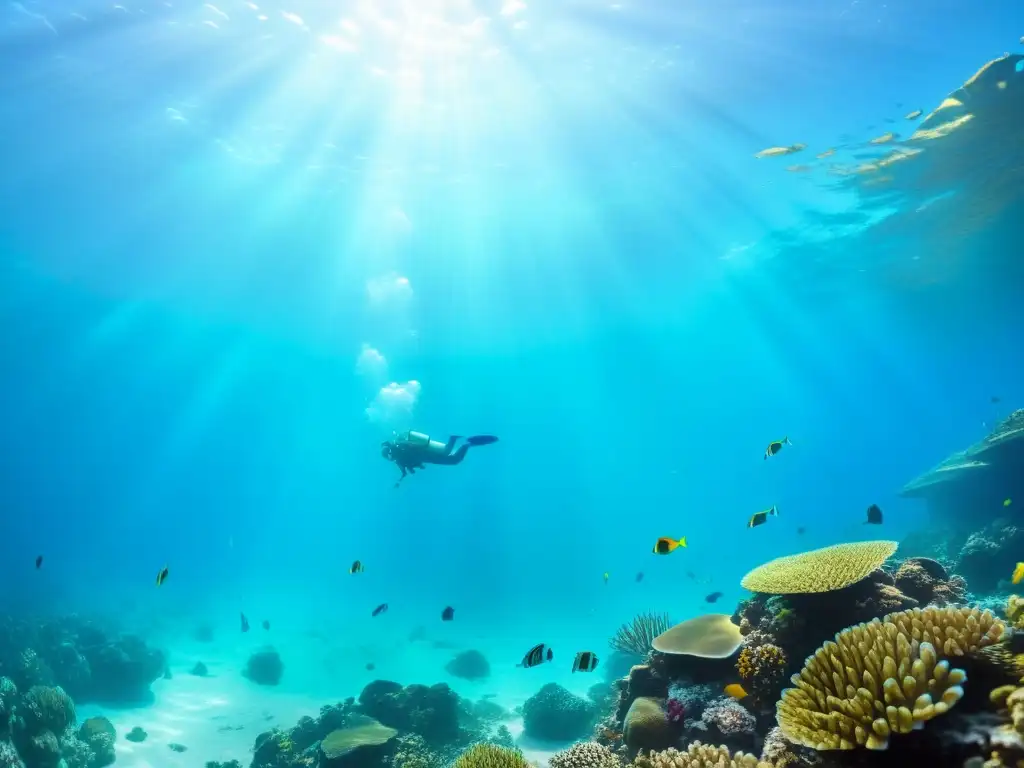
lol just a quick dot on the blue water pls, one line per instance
(558, 230)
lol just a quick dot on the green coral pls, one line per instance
(490, 756)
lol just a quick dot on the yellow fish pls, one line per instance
(736, 691)
(664, 545)
(1018, 574)
(606, 577)
(1008, 502)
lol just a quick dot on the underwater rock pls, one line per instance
(200, 670)
(123, 670)
(989, 555)
(927, 581)
(555, 714)
(99, 734)
(972, 483)
(136, 734)
(642, 681)
(215, 764)
(432, 712)
(264, 667)
(8, 699)
(469, 665)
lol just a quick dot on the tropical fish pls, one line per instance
(1006, 503)
(448, 614)
(585, 661)
(382, 608)
(370, 666)
(780, 151)
(776, 446)
(639, 576)
(536, 656)
(713, 597)
(39, 562)
(801, 531)
(1018, 574)
(995, 399)
(736, 691)
(606, 577)
(760, 518)
(827, 153)
(245, 622)
(874, 515)
(356, 567)
(664, 545)
(913, 115)
(266, 624)
(162, 576)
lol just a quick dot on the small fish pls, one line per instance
(606, 577)
(1018, 574)
(780, 151)
(39, 562)
(665, 545)
(639, 576)
(874, 515)
(266, 624)
(801, 531)
(913, 115)
(776, 446)
(370, 666)
(448, 614)
(162, 576)
(382, 608)
(736, 691)
(585, 661)
(536, 656)
(1006, 503)
(713, 597)
(760, 518)
(245, 622)
(996, 399)
(826, 154)
(357, 567)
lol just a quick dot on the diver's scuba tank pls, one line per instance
(424, 443)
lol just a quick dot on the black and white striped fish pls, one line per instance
(585, 661)
(536, 656)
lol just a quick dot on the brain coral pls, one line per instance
(585, 754)
(883, 677)
(698, 755)
(820, 570)
(712, 636)
(646, 725)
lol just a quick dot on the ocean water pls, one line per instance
(242, 244)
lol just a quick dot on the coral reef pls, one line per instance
(490, 756)
(727, 722)
(896, 667)
(647, 727)
(698, 755)
(363, 741)
(819, 570)
(555, 714)
(988, 555)
(927, 581)
(432, 712)
(712, 636)
(264, 667)
(469, 665)
(762, 668)
(634, 639)
(585, 754)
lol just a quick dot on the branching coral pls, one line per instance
(585, 755)
(762, 669)
(490, 756)
(698, 755)
(635, 637)
(883, 677)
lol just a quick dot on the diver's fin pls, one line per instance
(481, 440)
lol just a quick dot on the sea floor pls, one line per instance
(218, 717)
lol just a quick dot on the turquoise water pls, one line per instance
(243, 244)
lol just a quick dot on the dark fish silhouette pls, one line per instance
(996, 399)
(39, 562)
(162, 576)
(245, 622)
(874, 515)
(639, 577)
(356, 567)
(713, 597)
(266, 624)
(448, 614)
(370, 666)
(382, 608)
(481, 440)
(801, 531)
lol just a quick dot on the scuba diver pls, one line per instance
(413, 450)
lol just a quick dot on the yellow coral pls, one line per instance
(883, 677)
(761, 668)
(820, 570)
(698, 755)
(1015, 611)
(490, 756)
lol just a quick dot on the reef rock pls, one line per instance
(555, 714)
(431, 712)
(973, 483)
